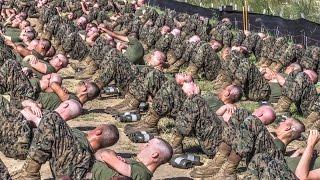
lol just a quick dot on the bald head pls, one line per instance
(313, 77)
(190, 89)
(69, 109)
(106, 135)
(176, 32)
(266, 114)
(293, 67)
(194, 39)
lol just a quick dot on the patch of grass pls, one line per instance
(248, 105)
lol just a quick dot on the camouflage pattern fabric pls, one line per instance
(169, 99)
(152, 36)
(264, 166)
(68, 152)
(15, 135)
(256, 87)
(310, 59)
(117, 68)
(163, 44)
(146, 85)
(250, 42)
(14, 82)
(257, 51)
(293, 53)
(301, 91)
(4, 173)
(238, 38)
(280, 48)
(252, 137)
(196, 117)
(267, 47)
(53, 26)
(207, 61)
(228, 133)
(160, 21)
(178, 46)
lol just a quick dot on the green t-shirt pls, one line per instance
(13, 32)
(49, 101)
(35, 83)
(213, 101)
(276, 92)
(134, 51)
(139, 171)
(37, 74)
(280, 145)
(82, 138)
(294, 161)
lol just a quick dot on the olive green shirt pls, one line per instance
(276, 91)
(294, 161)
(14, 33)
(213, 101)
(139, 171)
(37, 74)
(35, 83)
(51, 101)
(134, 51)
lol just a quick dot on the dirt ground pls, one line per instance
(93, 118)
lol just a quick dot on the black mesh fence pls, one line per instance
(299, 31)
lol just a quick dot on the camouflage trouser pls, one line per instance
(142, 87)
(57, 142)
(4, 174)
(15, 136)
(119, 70)
(168, 100)
(229, 130)
(14, 82)
(208, 133)
(299, 90)
(257, 88)
(252, 137)
(264, 166)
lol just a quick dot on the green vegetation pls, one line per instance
(290, 9)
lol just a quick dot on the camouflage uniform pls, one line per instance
(246, 75)
(168, 100)
(280, 48)
(310, 59)
(207, 61)
(264, 166)
(266, 49)
(15, 136)
(75, 46)
(147, 83)
(301, 91)
(67, 150)
(252, 137)
(251, 41)
(163, 44)
(52, 27)
(228, 133)
(293, 53)
(196, 117)
(4, 174)
(177, 47)
(14, 82)
(238, 38)
(117, 68)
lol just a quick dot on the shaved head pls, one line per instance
(313, 77)
(266, 114)
(69, 109)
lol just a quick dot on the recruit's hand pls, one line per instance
(313, 138)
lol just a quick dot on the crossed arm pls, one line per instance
(60, 91)
(114, 161)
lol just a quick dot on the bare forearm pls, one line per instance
(302, 170)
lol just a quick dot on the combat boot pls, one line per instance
(131, 105)
(88, 72)
(177, 142)
(193, 70)
(213, 165)
(148, 123)
(29, 171)
(283, 105)
(228, 169)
